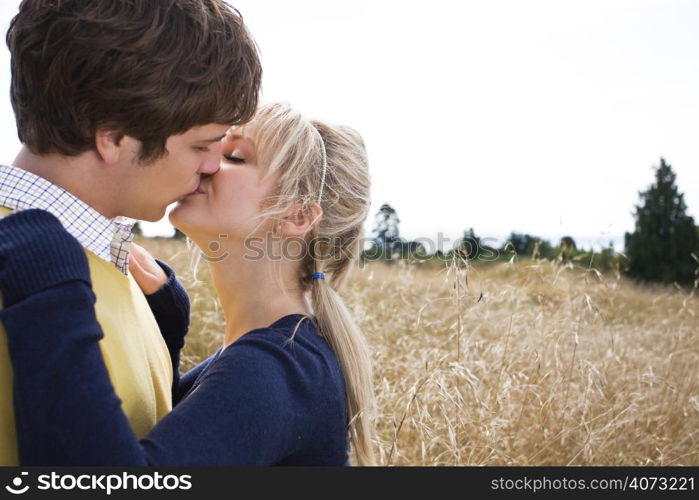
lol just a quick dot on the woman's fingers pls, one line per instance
(145, 270)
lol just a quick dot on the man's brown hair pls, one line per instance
(144, 68)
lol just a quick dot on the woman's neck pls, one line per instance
(250, 293)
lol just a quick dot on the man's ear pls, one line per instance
(109, 145)
(300, 221)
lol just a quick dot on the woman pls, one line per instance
(292, 380)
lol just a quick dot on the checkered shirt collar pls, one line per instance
(109, 239)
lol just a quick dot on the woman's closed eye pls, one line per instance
(234, 159)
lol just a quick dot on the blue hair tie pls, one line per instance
(318, 276)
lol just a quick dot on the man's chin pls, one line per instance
(153, 216)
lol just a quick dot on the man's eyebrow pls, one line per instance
(215, 139)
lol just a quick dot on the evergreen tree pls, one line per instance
(469, 246)
(518, 243)
(567, 248)
(568, 243)
(525, 244)
(660, 249)
(386, 233)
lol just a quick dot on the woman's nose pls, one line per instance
(212, 162)
(209, 167)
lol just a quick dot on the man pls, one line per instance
(120, 106)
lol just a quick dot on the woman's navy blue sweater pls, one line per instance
(260, 401)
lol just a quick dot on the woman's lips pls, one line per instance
(198, 190)
(195, 192)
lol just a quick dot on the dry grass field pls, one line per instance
(527, 363)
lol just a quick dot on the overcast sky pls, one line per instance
(534, 116)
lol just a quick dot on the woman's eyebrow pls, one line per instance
(238, 136)
(235, 137)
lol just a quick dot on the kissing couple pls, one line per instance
(124, 107)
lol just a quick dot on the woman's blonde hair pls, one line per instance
(292, 147)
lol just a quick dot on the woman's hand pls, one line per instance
(145, 270)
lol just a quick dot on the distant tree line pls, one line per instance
(387, 245)
(664, 247)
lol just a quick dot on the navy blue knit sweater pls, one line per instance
(260, 401)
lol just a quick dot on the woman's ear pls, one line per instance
(300, 221)
(109, 145)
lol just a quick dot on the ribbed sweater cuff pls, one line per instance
(36, 253)
(172, 299)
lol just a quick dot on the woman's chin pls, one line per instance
(178, 219)
(172, 216)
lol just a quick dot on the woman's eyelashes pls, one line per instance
(234, 159)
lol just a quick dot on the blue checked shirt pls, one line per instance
(109, 239)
